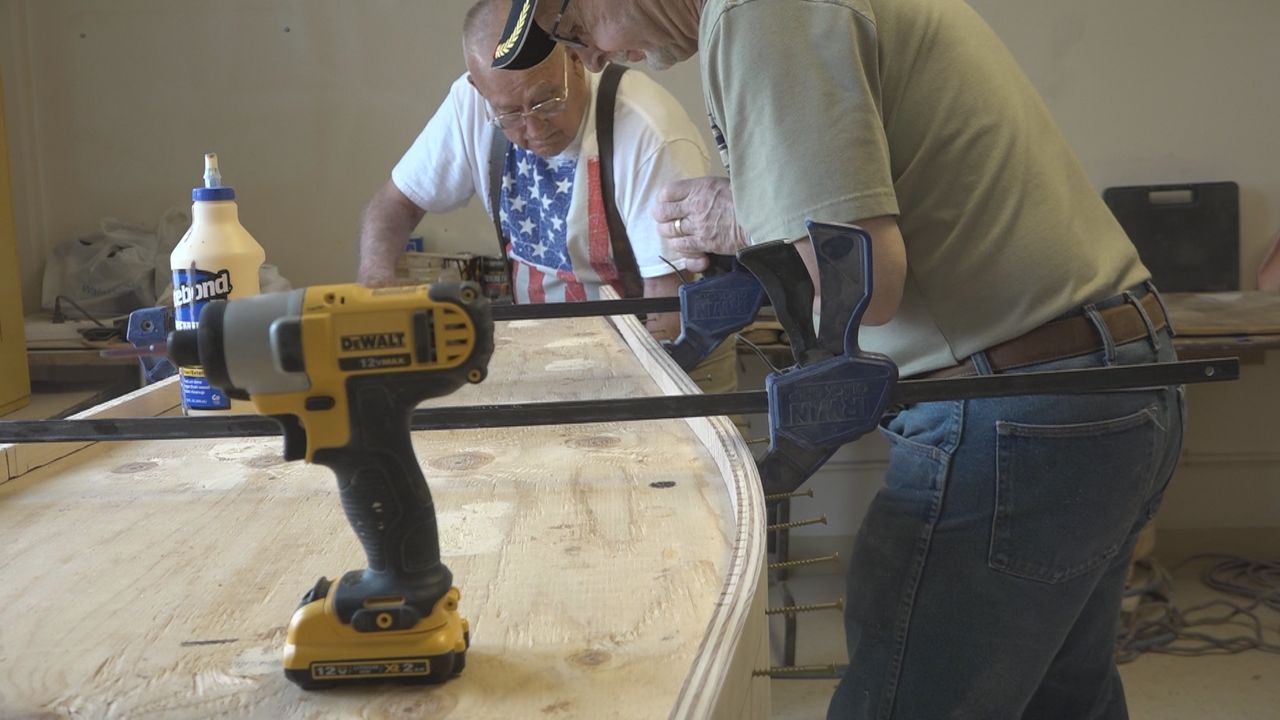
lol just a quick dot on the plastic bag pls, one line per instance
(121, 268)
(270, 279)
(109, 273)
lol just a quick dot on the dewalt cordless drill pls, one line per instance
(341, 368)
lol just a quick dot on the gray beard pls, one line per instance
(657, 60)
(661, 59)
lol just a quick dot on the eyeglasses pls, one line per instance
(543, 110)
(565, 40)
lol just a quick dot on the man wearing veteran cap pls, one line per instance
(985, 581)
(571, 216)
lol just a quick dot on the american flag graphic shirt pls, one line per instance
(552, 216)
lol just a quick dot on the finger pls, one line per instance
(668, 211)
(678, 190)
(697, 264)
(686, 249)
(669, 230)
(679, 247)
(690, 247)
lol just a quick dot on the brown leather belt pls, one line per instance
(1061, 339)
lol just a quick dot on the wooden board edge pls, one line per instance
(1235, 313)
(150, 401)
(737, 628)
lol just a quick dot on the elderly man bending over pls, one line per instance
(527, 142)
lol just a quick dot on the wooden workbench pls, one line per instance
(1208, 325)
(1224, 323)
(608, 571)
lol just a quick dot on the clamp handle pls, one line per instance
(782, 273)
(836, 392)
(149, 326)
(845, 272)
(713, 308)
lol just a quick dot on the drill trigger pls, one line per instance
(295, 436)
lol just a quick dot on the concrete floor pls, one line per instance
(1226, 687)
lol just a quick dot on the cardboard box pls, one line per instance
(425, 268)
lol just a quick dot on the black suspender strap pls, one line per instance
(497, 159)
(624, 258)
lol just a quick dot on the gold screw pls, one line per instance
(795, 609)
(793, 669)
(787, 496)
(802, 523)
(798, 563)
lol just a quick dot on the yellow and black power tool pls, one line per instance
(342, 368)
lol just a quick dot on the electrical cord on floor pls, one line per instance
(58, 317)
(1156, 625)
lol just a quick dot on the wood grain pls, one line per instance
(159, 399)
(608, 571)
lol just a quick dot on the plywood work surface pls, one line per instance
(156, 579)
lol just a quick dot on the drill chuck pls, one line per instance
(184, 347)
(206, 348)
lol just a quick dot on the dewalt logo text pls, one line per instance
(374, 341)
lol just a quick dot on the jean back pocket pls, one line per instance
(1067, 496)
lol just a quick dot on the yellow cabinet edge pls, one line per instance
(15, 378)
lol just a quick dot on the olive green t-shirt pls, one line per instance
(842, 110)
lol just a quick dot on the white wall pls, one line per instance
(1154, 91)
(310, 102)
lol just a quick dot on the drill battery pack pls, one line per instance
(382, 644)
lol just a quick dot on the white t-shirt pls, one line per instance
(552, 217)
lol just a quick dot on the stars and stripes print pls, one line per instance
(560, 247)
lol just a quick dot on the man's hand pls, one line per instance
(697, 218)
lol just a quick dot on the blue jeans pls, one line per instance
(986, 579)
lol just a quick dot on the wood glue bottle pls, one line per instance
(216, 260)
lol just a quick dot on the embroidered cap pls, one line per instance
(524, 43)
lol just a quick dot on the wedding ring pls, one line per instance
(679, 228)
